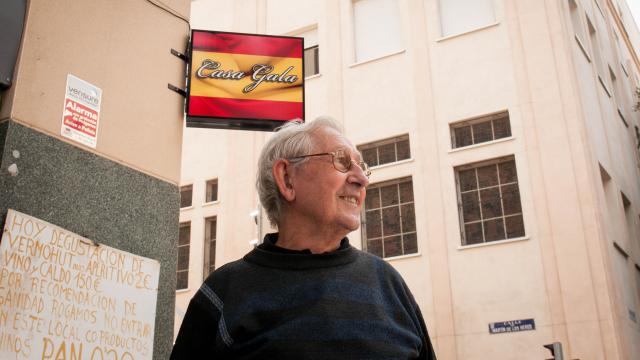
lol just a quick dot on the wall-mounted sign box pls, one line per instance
(244, 81)
(512, 326)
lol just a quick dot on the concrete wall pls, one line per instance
(123, 193)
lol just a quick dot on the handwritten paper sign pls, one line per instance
(64, 297)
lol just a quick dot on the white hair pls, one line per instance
(290, 140)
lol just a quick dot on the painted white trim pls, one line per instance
(474, 146)
(400, 257)
(377, 58)
(391, 164)
(491, 243)
(314, 76)
(582, 47)
(604, 86)
(468, 31)
(210, 203)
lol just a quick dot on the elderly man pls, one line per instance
(305, 293)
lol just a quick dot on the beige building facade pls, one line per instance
(504, 144)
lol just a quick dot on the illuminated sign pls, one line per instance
(244, 81)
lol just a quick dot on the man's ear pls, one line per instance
(282, 176)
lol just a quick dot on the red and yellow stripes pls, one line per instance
(269, 97)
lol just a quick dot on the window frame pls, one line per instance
(316, 57)
(181, 189)
(401, 233)
(206, 191)
(185, 224)
(460, 204)
(491, 118)
(391, 140)
(206, 265)
(359, 57)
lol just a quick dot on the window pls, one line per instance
(311, 52)
(386, 151)
(311, 63)
(376, 28)
(460, 16)
(629, 219)
(184, 238)
(390, 221)
(186, 193)
(479, 130)
(212, 191)
(209, 245)
(597, 56)
(489, 202)
(637, 279)
(577, 26)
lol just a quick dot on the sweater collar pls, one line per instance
(270, 240)
(271, 255)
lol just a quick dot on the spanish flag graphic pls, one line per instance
(243, 76)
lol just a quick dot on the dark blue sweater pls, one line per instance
(279, 304)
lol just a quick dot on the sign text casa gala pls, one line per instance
(244, 81)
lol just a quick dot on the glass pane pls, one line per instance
(374, 224)
(482, 132)
(473, 233)
(490, 199)
(403, 150)
(511, 199)
(210, 232)
(186, 193)
(185, 234)
(467, 180)
(372, 201)
(487, 176)
(370, 156)
(387, 153)
(375, 247)
(508, 172)
(410, 242)
(212, 253)
(515, 226)
(406, 192)
(470, 206)
(392, 246)
(183, 258)
(182, 280)
(502, 128)
(212, 191)
(311, 61)
(408, 218)
(462, 136)
(389, 194)
(494, 230)
(391, 221)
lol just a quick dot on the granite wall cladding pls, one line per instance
(96, 198)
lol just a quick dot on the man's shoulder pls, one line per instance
(228, 270)
(376, 261)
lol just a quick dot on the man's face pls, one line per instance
(326, 197)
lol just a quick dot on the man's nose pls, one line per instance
(357, 176)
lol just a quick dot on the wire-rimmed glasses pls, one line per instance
(341, 160)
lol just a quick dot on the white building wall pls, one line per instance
(565, 272)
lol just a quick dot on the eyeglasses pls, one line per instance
(341, 160)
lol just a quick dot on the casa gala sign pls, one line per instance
(244, 81)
